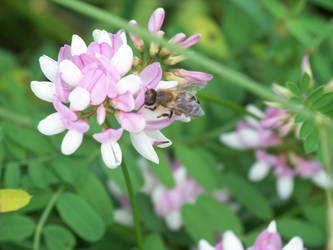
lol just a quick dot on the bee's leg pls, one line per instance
(171, 113)
(162, 115)
(152, 108)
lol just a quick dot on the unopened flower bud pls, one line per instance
(170, 76)
(137, 40)
(192, 40)
(193, 76)
(274, 105)
(154, 48)
(278, 89)
(174, 59)
(137, 61)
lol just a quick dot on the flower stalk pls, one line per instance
(133, 205)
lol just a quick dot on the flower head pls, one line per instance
(104, 78)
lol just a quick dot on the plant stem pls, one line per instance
(325, 143)
(11, 115)
(133, 205)
(227, 103)
(43, 218)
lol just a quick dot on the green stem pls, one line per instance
(133, 205)
(43, 218)
(325, 143)
(11, 115)
(227, 103)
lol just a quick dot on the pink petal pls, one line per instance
(64, 110)
(151, 75)
(124, 102)
(108, 134)
(133, 122)
(179, 37)
(101, 113)
(158, 125)
(156, 20)
(99, 91)
(192, 40)
(194, 76)
(268, 241)
(140, 98)
(61, 92)
(64, 53)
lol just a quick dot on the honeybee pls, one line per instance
(178, 100)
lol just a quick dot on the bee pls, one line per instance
(177, 100)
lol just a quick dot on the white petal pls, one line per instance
(143, 144)
(258, 171)
(114, 188)
(174, 220)
(43, 90)
(123, 216)
(204, 245)
(71, 142)
(102, 36)
(157, 194)
(79, 99)
(180, 175)
(231, 242)
(70, 73)
(129, 83)
(78, 46)
(111, 154)
(272, 227)
(158, 137)
(249, 137)
(166, 84)
(232, 139)
(285, 186)
(296, 243)
(49, 67)
(123, 59)
(322, 179)
(51, 125)
(254, 110)
(123, 37)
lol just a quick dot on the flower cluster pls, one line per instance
(167, 203)
(267, 239)
(274, 138)
(104, 79)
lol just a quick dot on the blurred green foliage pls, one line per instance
(265, 39)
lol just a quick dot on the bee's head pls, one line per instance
(150, 97)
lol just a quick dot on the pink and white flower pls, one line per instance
(97, 76)
(268, 239)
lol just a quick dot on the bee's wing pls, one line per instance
(190, 87)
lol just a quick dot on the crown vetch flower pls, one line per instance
(268, 239)
(104, 78)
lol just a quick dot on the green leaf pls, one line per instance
(39, 200)
(323, 101)
(80, 217)
(38, 173)
(299, 118)
(147, 213)
(163, 171)
(153, 242)
(28, 139)
(315, 94)
(248, 196)
(69, 170)
(219, 215)
(293, 88)
(306, 129)
(196, 224)
(276, 8)
(317, 214)
(311, 234)
(305, 83)
(92, 190)
(323, 3)
(58, 238)
(12, 175)
(312, 141)
(15, 227)
(205, 174)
